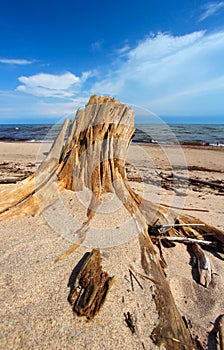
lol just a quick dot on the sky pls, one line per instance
(163, 56)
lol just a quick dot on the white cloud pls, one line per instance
(50, 81)
(210, 9)
(163, 45)
(15, 61)
(51, 85)
(165, 68)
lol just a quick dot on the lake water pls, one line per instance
(145, 133)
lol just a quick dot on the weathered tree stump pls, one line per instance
(94, 156)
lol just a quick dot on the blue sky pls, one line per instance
(165, 56)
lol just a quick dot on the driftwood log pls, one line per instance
(94, 156)
(193, 181)
(90, 286)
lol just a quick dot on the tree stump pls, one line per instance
(94, 156)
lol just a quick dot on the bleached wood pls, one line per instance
(15, 200)
(203, 264)
(170, 331)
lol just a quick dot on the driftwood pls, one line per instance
(203, 264)
(217, 333)
(32, 195)
(12, 179)
(192, 181)
(94, 156)
(197, 168)
(89, 287)
(189, 240)
(201, 182)
(11, 173)
(171, 330)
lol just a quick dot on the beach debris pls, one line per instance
(216, 335)
(130, 322)
(67, 252)
(131, 280)
(132, 275)
(197, 168)
(200, 231)
(170, 330)
(164, 228)
(220, 328)
(203, 264)
(187, 324)
(199, 344)
(90, 286)
(184, 208)
(145, 277)
(170, 178)
(189, 240)
(11, 173)
(12, 179)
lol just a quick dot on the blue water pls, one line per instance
(29, 132)
(182, 133)
(145, 133)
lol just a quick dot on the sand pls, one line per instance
(35, 313)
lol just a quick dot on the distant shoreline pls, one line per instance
(182, 144)
(163, 134)
(148, 144)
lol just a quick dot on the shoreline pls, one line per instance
(184, 143)
(35, 152)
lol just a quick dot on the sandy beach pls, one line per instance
(35, 313)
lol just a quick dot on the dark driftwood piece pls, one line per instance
(198, 168)
(94, 156)
(193, 181)
(201, 182)
(90, 287)
(216, 336)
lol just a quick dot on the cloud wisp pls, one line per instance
(15, 61)
(211, 9)
(164, 68)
